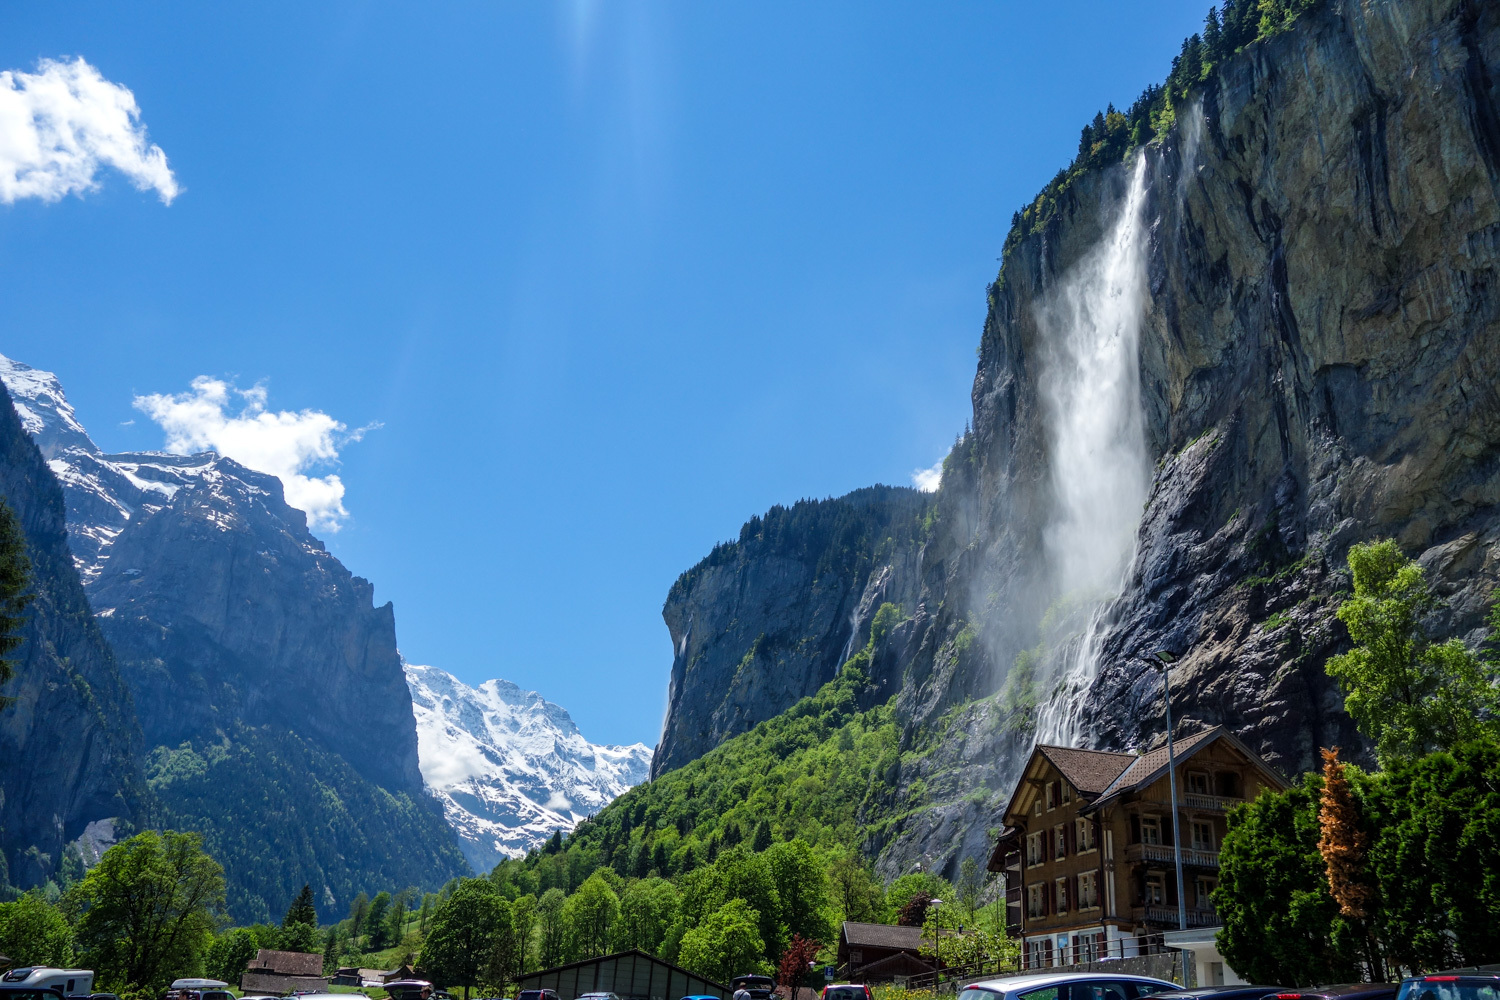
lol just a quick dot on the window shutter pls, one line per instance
(1135, 829)
(1166, 831)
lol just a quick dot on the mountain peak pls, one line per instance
(510, 767)
(44, 409)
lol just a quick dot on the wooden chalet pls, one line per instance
(1087, 844)
(284, 972)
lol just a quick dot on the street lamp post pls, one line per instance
(937, 941)
(1164, 661)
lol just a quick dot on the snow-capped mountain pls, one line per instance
(509, 766)
(103, 492)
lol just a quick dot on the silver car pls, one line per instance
(1067, 986)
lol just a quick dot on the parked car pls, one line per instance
(1343, 991)
(700, 996)
(847, 991)
(1068, 986)
(759, 987)
(543, 995)
(1222, 993)
(32, 993)
(1481, 983)
(597, 996)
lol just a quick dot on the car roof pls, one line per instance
(1011, 984)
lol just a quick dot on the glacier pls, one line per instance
(510, 767)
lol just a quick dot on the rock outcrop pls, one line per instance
(1319, 350)
(69, 742)
(767, 619)
(245, 645)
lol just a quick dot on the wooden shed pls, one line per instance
(633, 975)
(273, 971)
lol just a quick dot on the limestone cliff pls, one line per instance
(69, 742)
(767, 619)
(1313, 362)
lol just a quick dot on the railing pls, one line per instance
(1165, 854)
(951, 978)
(1154, 914)
(1211, 803)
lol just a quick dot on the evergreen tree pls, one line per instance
(762, 837)
(555, 844)
(15, 577)
(303, 910)
(359, 912)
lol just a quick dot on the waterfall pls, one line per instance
(1089, 382)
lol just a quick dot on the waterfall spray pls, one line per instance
(1089, 382)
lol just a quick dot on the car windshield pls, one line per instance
(844, 993)
(1450, 989)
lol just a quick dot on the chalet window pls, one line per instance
(1067, 792)
(1036, 849)
(1060, 888)
(1083, 835)
(1228, 784)
(856, 957)
(1088, 890)
(1150, 830)
(1036, 807)
(1051, 795)
(1203, 836)
(1060, 841)
(1197, 783)
(1203, 892)
(1156, 890)
(1035, 905)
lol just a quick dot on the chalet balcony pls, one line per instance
(1210, 803)
(1163, 854)
(1167, 916)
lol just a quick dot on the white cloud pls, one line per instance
(284, 444)
(59, 125)
(928, 480)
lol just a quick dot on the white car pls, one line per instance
(1067, 986)
(65, 981)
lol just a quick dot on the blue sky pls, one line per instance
(609, 278)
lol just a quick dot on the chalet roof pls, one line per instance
(1089, 771)
(272, 982)
(1152, 764)
(859, 935)
(287, 963)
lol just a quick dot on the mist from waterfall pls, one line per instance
(1089, 326)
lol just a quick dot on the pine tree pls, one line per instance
(762, 837)
(303, 910)
(15, 576)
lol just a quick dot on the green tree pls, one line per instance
(458, 950)
(1280, 924)
(230, 953)
(648, 909)
(856, 892)
(726, 944)
(33, 932)
(522, 923)
(1406, 693)
(147, 910)
(429, 900)
(303, 910)
(377, 921)
(590, 914)
(1436, 857)
(802, 889)
(15, 578)
(553, 938)
(300, 937)
(333, 948)
(359, 914)
(396, 921)
(762, 839)
(503, 964)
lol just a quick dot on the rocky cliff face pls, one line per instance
(69, 743)
(246, 645)
(767, 619)
(1312, 257)
(510, 767)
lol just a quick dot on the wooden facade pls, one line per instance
(1087, 844)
